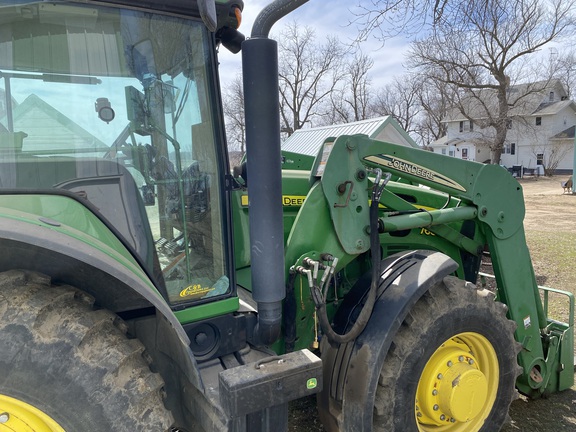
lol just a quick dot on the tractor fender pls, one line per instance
(351, 370)
(68, 260)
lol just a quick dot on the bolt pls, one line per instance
(419, 414)
(435, 407)
(440, 376)
(461, 358)
(470, 362)
(359, 244)
(4, 417)
(449, 363)
(442, 417)
(434, 392)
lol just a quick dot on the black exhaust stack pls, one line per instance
(262, 111)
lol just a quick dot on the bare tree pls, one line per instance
(233, 102)
(551, 155)
(388, 18)
(565, 70)
(435, 99)
(352, 101)
(309, 73)
(400, 100)
(482, 48)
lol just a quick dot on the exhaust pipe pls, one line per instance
(262, 111)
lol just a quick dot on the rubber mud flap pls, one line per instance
(351, 370)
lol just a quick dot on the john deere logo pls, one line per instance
(287, 200)
(293, 200)
(402, 166)
(312, 383)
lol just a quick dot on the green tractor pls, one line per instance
(145, 288)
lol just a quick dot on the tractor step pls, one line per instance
(264, 388)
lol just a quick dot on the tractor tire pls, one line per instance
(452, 365)
(66, 366)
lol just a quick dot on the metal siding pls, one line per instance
(308, 141)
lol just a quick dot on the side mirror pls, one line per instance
(231, 39)
(207, 9)
(144, 62)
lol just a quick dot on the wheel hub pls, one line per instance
(16, 415)
(462, 393)
(458, 385)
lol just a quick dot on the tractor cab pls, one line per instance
(117, 109)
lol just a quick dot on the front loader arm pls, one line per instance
(487, 194)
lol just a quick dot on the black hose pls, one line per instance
(289, 315)
(375, 252)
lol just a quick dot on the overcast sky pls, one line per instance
(326, 18)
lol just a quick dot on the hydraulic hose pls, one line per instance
(289, 315)
(362, 320)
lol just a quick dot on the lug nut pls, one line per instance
(461, 358)
(442, 417)
(440, 376)
(470, 362)
(434, 392)
(452, 420)
(449, 364)
(4, 417)
(435, 407)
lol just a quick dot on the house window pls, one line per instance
(471, 126)
(510, 148)
(551, 96)
(538, 121)
(443, 151)
(540, 159)
(461, 126)
(451, 153)
(508, 124)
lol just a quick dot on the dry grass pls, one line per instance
(551, 236)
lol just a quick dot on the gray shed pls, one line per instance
(308, 141)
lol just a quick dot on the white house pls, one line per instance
(540, 129)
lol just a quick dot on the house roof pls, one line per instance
(33, 105)
(553, 108)
(444, 141)
(565, 134)
(527, 99)
(308, 141)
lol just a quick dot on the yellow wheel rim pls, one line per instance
(16, 415)
(458, 385)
